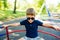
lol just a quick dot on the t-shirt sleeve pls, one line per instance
(40, 23)
(22, 23)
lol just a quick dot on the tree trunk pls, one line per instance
(5, 4)
(14, 7)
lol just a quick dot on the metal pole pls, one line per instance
(7, 34)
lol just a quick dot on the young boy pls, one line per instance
(31, 25)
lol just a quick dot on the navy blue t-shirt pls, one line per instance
(31, 28)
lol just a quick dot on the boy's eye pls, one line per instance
(32, 18)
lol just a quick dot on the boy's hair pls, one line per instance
(30, 11)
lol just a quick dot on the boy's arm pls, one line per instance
(11, 25)
(51, 26)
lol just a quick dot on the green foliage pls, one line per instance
(39, 4)
(8, 15)
(5, 3)
(1, 4)
(44, 12)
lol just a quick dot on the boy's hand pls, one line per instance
(5, 26)
(57, 28)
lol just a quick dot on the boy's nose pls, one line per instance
(30, 19)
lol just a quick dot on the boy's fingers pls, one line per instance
(58, 28)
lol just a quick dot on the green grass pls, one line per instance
(8, 15)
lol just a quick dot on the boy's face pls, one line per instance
(30, 18)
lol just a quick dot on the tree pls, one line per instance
(14, 7)
(5, 4)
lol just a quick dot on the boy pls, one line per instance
(31, 25)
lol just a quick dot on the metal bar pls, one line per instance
(7, 34)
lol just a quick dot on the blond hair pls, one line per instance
(30, 11)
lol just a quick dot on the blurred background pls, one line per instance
(13, 11)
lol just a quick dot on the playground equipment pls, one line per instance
(13, 31)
